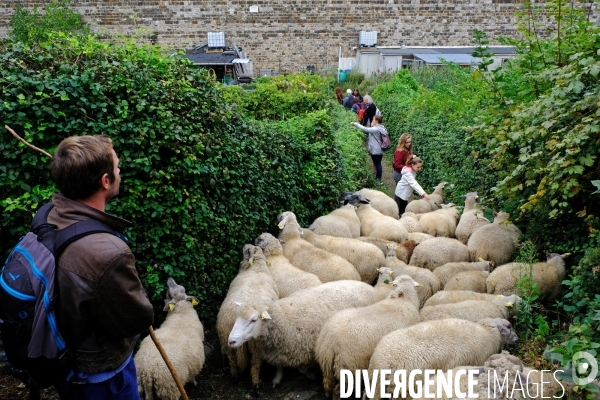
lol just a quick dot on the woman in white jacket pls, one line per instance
(375, 133)
(408, 183)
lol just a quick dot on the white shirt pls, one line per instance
(407, 184)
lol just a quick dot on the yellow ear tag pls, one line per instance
(264, 315)
(194, 302)
(280, 225)
(355, 208)
(268, 263)
(171, 307)
(509, 304)
(251, 262)
(391, 273)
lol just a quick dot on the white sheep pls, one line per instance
(437, 196)
(474, 281)
(495, 242)
(547, 276)
(380, 201)
(365, 257)
(456, 296)
(181, 335)
(419, 237)
(471, 219)
(285, 331)
(252, 283)
(289, 279)
(429, 283)
(438, 251)
(474, 310)
(440, 222)
(375, 224)
(384, 282)
(410, 222)
(326, 266)
(349, 337)
(403, 250)
(448, 270)
(341, 222)
(441, 344)
(421, 206)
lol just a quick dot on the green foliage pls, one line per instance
(527, 289)
(480, 41)
(33, 26)
(198, 178)
(282, 97)
(354, 79)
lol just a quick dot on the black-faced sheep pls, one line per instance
(181, 336)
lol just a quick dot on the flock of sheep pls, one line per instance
(362, 289)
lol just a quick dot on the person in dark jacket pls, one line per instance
(102, 305)
(370, 111)
(349, 99)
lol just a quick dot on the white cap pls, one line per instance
(349, 91)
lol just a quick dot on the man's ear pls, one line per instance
(105, 181)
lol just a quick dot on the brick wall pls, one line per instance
(296, 33)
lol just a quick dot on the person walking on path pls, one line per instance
(408, 183)
(102, 307)
(374, 133)
(401, 154)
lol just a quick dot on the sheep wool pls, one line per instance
(326, 266)
(441, 222)
(349, 337)
(442, 344)
(456, 296)
(437, 196)
(252, 283)
(473, 310)
(421, 206)
(438, 251)
(403, 250)
(285, 331)
(181, 336)
(411, 223)
(419, 237)
(495, 242)
(429, 283)
(341, 222)
(474, 281)
(448, 270)
(381, 202)
(471, 219)
(288, 278)
(547, 276)
(375, 224)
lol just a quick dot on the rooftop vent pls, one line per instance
(367, 38)
(216, 39)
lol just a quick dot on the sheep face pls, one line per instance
(248, 325)
(252, 254)
(175, 294)
(508, 335)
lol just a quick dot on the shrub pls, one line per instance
(198, 178)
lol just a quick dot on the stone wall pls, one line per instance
(291, 34)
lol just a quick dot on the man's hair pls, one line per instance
(79, 163)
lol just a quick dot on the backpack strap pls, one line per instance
(41, 217)
(76, 231)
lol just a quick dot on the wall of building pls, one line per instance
(291, 34)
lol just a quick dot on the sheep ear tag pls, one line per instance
(171, 307)
(268, 263)
(265, 315)
(195, 302)
(509, 304)
(280, 225)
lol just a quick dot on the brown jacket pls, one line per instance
(102, 306)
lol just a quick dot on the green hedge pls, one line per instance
(199, 178)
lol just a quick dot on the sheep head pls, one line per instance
(508, 335)
(248, 324)
(269, 244)
(175, 294)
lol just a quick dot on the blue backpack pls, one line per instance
(35, 349)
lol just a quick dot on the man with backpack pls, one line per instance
(101, 307)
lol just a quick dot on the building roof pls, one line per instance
(224, 58)
(460, 59)
(407, 51)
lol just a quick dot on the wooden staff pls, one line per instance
(161, 350)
